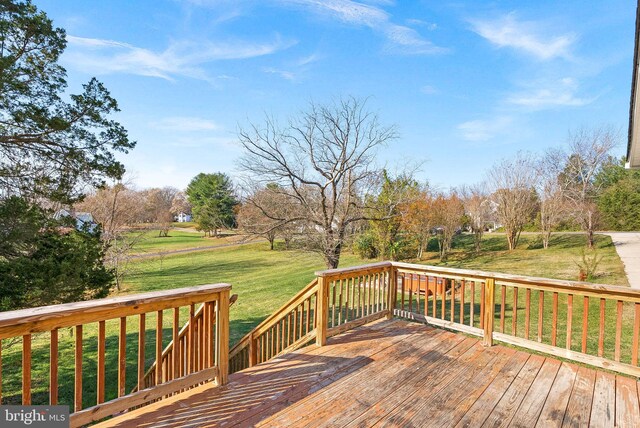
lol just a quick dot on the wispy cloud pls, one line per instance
(178, 59)
(287, 75)
(185, 124)
(400, 38)
(527, 36)
(544, 94)
(484, 130)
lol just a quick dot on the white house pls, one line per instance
(183, 217)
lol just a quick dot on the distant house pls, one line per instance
(84, 220)
(183, 217)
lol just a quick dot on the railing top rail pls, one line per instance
(353, 269)
(566, 285)
(45, 318)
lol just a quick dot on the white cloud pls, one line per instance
(527, 36)
(287, 75)
(185, 124)
(484, 130)
(400, 39)
(178, 59)
(541, 95)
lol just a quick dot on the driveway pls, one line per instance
(628, 247)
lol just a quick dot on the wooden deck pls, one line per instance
(398, 373)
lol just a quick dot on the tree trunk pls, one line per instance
(477, 240)
(271, 241)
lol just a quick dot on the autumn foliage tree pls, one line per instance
(447, 212)
(417, 220)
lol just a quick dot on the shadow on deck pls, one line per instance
(399, 373)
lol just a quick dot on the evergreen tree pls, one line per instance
(212, 200)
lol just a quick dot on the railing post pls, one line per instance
(253, 351)
(393, 290)
(322, 311)
(489, 311)
(222, 324)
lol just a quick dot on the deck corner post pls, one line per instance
(322, 311)
(393, 290)
(489, 311)
(222, 324)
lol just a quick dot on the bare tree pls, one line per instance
(323, 163)
(252, 219)
(116, 208)
(180, 204)
(553, 206)
(447, 212)
(513, 183)
(159, 202)
(588, 151)
(477, 207)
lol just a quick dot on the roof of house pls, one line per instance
(633, 146)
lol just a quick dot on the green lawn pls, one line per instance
(263, 280)
(150, 242)
(557, 261)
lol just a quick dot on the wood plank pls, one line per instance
(557, 400)
(393, 368)
(636, 335)
(508, 405)
(395, 384)
(554, 320)
(514, 318)
(297, 366)
(142, 329)
(53, 369)
(100, 375)
(159, 326)
(569, 321)
(533, 402)
(601, 330)
(482, 407)
(579, 407)
(77, 391)
(616, 354)
(604, 398)
(627, 410)
(122, 357)
(424, 403)
(449, 408)
(141, 397)
(585, 323)
(26, 370)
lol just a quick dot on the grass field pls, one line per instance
(263, 280)
(150, 242)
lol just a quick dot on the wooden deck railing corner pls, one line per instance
(201, 355)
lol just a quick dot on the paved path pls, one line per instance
(628, 247)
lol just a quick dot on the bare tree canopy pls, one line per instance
(513, 184)
(323, 163)
(477, 207)
(588, 151)
(553, 206)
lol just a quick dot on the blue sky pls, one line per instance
(465, 83)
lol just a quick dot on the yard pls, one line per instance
(263, 280)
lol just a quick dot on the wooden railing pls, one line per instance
(334, 302)
(206, 356)
(593, 324)
(149, 379)
(289, 328)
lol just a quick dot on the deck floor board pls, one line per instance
(399, 373)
